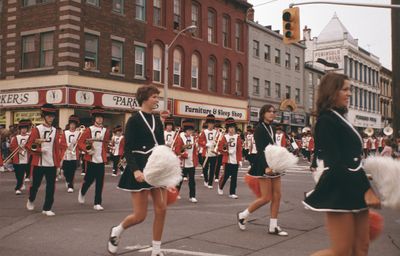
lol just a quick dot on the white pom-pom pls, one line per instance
(163, 168)
(279, 159)
(385, 172)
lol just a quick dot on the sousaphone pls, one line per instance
(388, 131)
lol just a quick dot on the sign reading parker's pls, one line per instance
(19, 98)
(193, 109)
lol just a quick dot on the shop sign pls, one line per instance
(366, 118)
(34, 116)
(298, 119)
(19, 99)
(2, 118)
(124, 102)
(329, 55)
(199, 110)
(285, 117)
(254, 114)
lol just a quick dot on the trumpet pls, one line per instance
(16, 151)
(81, 130)
(37, 144)
(221, 133)
(177, 130)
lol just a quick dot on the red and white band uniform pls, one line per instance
(381, 143)
(231, 149)
(45, 161)
(70, 155)
(252, 148)
(280, 139)
(374, 145)
(118, 144)
(20, 159)
(186, 149)
(169, 137)
(208, 142)
(95, 159)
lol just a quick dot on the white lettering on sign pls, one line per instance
(200, 110)
(19, 98)
(124, 102)
(330, 56)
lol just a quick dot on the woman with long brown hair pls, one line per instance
(270, 182)
(343, 191)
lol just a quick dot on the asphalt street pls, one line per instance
(206, 228)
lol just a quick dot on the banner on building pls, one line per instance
(36, 98)
(34, 116)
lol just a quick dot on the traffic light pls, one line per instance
(291, 25)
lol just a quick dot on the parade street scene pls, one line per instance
(199, 127)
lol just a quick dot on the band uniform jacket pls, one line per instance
(88, 134)
(338, 151)
(206, 138)
(179, 144)
(19, 141)
(118, 144)
(224, 147)
(67, 138)
(52, 144)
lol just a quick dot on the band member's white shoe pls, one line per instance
(114, 174)
(210, 187)
(205, 184)
(233, 196)
(185, 178)
(30, 206)
(27, 179)
(179, 197)
(70, 190)
(113, 241)
(48, 213)
(2, 169)
(278, 231)
(82, 174)
(18, 192)
(157, 254)
(81, 198)
(216, 180)
(193, 200)
(241, 222)
(23, 187)
(220, 191)
(98, 207)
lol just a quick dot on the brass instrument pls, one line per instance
(221, 133)
(81, 130)
(369, 131)
(37, 144)
(388, 131)
(12, 154)
(121, 163)
(306, 129)
(177, 131)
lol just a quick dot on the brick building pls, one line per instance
(80, 53)
(386, 96)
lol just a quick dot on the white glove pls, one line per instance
(241, 163)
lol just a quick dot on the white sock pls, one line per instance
(244, 214)
(156, 246)
(118, 230)
(273, 223)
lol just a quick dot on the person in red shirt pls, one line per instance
(94, 142)
(21, 157)
(44, 145)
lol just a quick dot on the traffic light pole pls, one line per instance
(396, 69)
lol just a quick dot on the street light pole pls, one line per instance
(166, 65)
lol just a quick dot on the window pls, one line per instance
(277, 56)
(351, 68)
(239, 36)
(373, 77)
(239, 79)
(226, 74)
(177, 14)
(374, 102)
(1, 6)
(361, 98)
(211, 26)
(352, 92)
(267, 52)
(346, 69)
(177, 67)
(212, 84)
(256, 86)
(365, 99)
(356, 70)
(287, 60)
(288, 92)
(196, 19)
(297, 95)
(91, 52)
(195, 71)
(33, 2)
(365, 73)
(117, 57)
(141, 9)
(28, 52)
(139, 61)
(226, 35)
(278, 90)
(267, 88)
(369, 75)
(157, 12)
(256, 49)
(92, 2)
(297, 63)
(356, 97)
(157, 63)
(360, 74)
(118, 6)
(46, 49)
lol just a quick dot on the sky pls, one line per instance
(372, 26)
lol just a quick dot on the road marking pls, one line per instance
(184, 252)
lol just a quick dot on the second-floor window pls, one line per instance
(267, 52)
(141, 9)
(296, 63)
(92, 2)
(91, 52)
(177, 14)
(278, 90)
(239, 80)
(139, 62)
(277, 56)
(256, 49)
(46, 49)
(267, 88)
(157, 12)
(297, 96)
(239, 36)
(28, 52)
(195, 71)
(117, 57)
(226, 24)
(177, 67)
(33, 2)
(211, 26)
(157, 63)
(288, 92)
(196, 20)
(287, 60)
(256, 86)
(212, 83)
(43, 57)
(226, 70)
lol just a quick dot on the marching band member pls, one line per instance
(94, 142)
(343, 191)
(21, 157)
(44, 146)
(366, 145)
(381, 143)
(246, 143)
(207, 141)
(186, 149)
(270, 182)
(252, 147)
(219, 155)
(310, 146)
(169, 132)
(199, 148)
(71, 154)
(374, 145)
(144, 131)
(280, 137)
(117, 149)
(304, 145)
(1, 162)
(231, 148)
